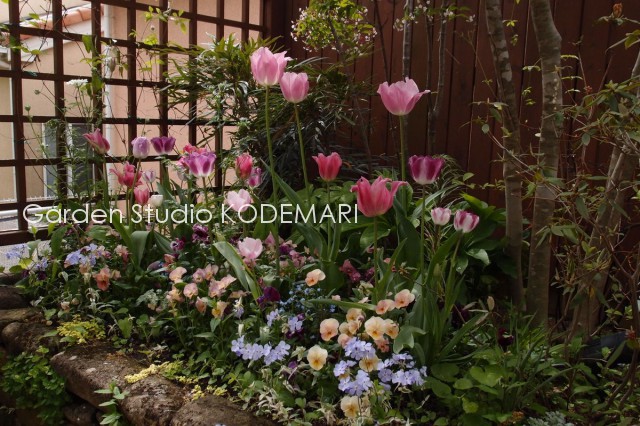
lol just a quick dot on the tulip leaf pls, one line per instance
(238, 266)
(138, 245)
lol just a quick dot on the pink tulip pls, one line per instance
(149, 176)
(163, 144)
(244, 165)
(250, 248)
(328, 166)
(400, 97)
(141, 194)
(425, 169)
(238, 200)
(200, 165)
(267, 67)
(98, 142)
(140, 147)
(129, 176)
(440, 216)
(375, 199)
(294, 86)
(465, 221)
(256, 177)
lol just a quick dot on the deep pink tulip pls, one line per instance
(98, 142)
(140, 147)
(294, 86)
(267, 67)
(465, 221)
(129, 176)
(400, 97)
(163, 144)
(255, 179)
(141, 194)
(440, 216)
(375, 199)
(200, 165)
(328, 166)
(244, 165)
(425, 169)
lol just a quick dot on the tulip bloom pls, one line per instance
(294, 86)
(200, 164)
(440, 216)
(255, 178)
(400, 97)
(244, 166)
(149, 176)
(250, 248)
(425, 169)
(140, 147)
(163, 144)
(375, 199)
(98, 142)
(465, 221)
(238, 200)
(129, 176)
(268, 67)
(141, 194)
(156, 200)
(328, 166)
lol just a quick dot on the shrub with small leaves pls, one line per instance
(30, 379)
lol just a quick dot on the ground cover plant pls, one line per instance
(321, 288)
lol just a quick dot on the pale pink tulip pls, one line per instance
(399, 98)
(294, 86)
(268, 67)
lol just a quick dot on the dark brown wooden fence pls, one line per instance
(470, 77)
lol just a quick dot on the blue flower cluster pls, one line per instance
(358, 349)
(255, 351)
(87, 255)
(17, 252)
(398, 370)
(405, 373)
(356, 385)
(301, 292)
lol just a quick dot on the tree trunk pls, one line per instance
(622, 167)
(549, 43)
(407, 37)
(512, 149)
(434, 113)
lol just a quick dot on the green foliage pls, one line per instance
(112, 416)
(30, 379)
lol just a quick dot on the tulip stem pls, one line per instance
(329, 223)
(303, 157)
(403, 162)
(422, 230)
(375, 254)
(267, 122)
(272, 171)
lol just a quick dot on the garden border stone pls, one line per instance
(152, 401)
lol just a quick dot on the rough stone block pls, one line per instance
(152, 401)
(80, 414)
(210, 410)
(89, 368)
(20, 337)
(7, 316)
(10, 298)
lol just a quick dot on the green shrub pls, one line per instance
(30, 379)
